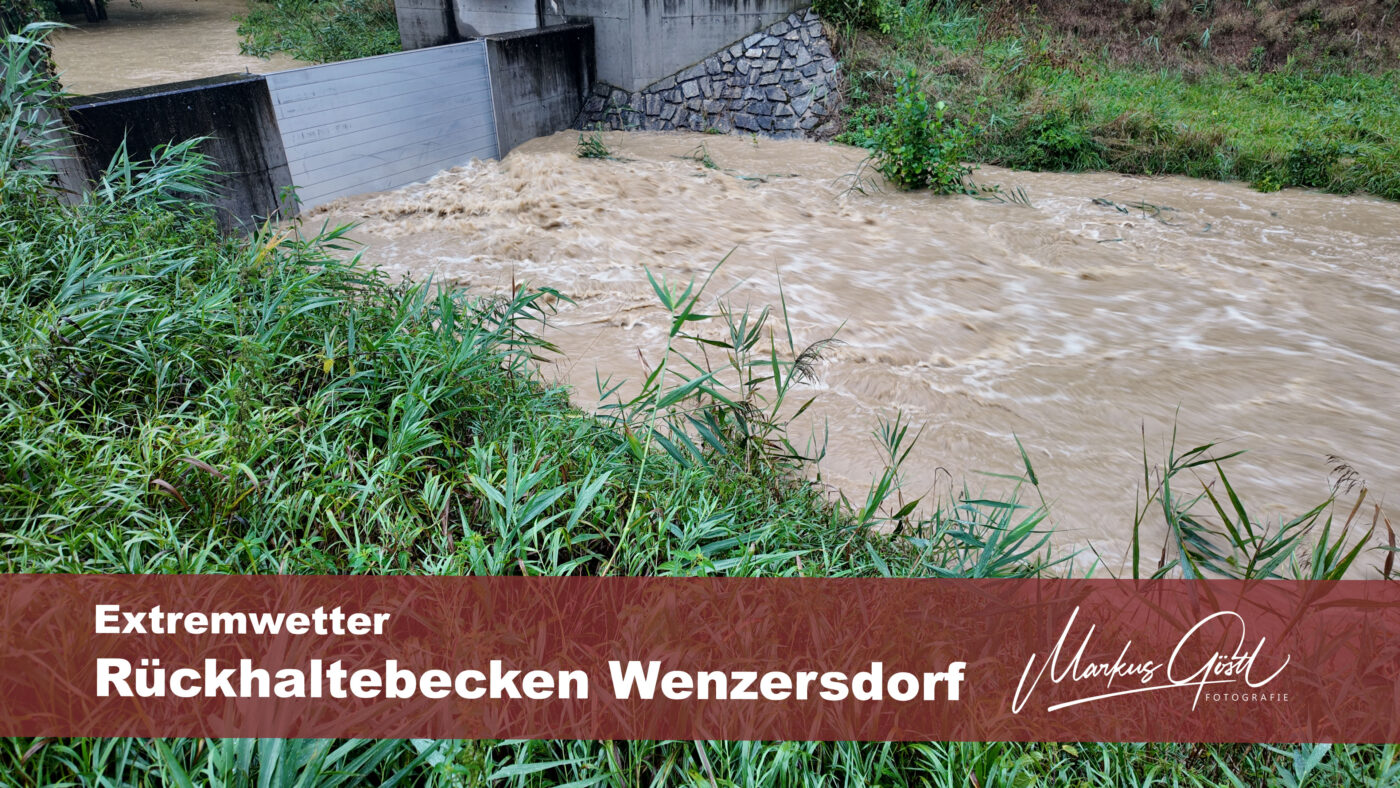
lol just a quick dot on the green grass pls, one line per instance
(279, 763)
(1042, 102)
(174, 401)
(320, 31)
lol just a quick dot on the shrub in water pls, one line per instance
(921, 147)
(592, 146)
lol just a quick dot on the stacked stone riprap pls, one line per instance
(779, 82)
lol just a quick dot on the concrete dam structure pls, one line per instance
(761, 66)
(292, 140)
(638, 41)
(477, 78)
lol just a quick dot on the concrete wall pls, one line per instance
(352, 127)
(782, 81)
(639, 41)
(477, 18)
(669, 35)
(71, 172)
(234, 111)
(539, 80)
(643, 41)
(425, 23)
(382, 122)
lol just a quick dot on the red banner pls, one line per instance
(662, 658)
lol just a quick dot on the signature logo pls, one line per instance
(1191, 665)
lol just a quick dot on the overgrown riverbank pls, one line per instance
(320, 31)
(172, 401)
(1283, 94)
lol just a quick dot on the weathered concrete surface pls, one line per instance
(781, 82)
(425, 23)
(476, 18)
(674, 34)
(70, 175)
(70, 171)
(234, 111)
(639, 41)
(539, 80)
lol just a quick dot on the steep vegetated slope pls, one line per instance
(1241, 33)
(1277, 94)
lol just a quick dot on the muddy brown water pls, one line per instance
(155, 42)
(1265, 322)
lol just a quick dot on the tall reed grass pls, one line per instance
(172, 401)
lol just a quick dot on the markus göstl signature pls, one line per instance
(1186, 667)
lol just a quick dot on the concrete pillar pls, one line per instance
(476, 18)
(539, 81)
(234, 112)
(425, 23)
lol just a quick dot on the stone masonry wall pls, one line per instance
(779, 82)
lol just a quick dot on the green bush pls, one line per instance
(15, 14)
(1058, 140)
(320, 32)
(861, 14)
(922, 147)
(1310, 162)
(863, 116)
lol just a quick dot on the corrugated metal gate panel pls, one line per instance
(383, 122)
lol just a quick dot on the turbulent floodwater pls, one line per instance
(1268, 322)
(156, 42)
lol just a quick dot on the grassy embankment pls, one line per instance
(173, 401)
(1291, 93)
(319, 31)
